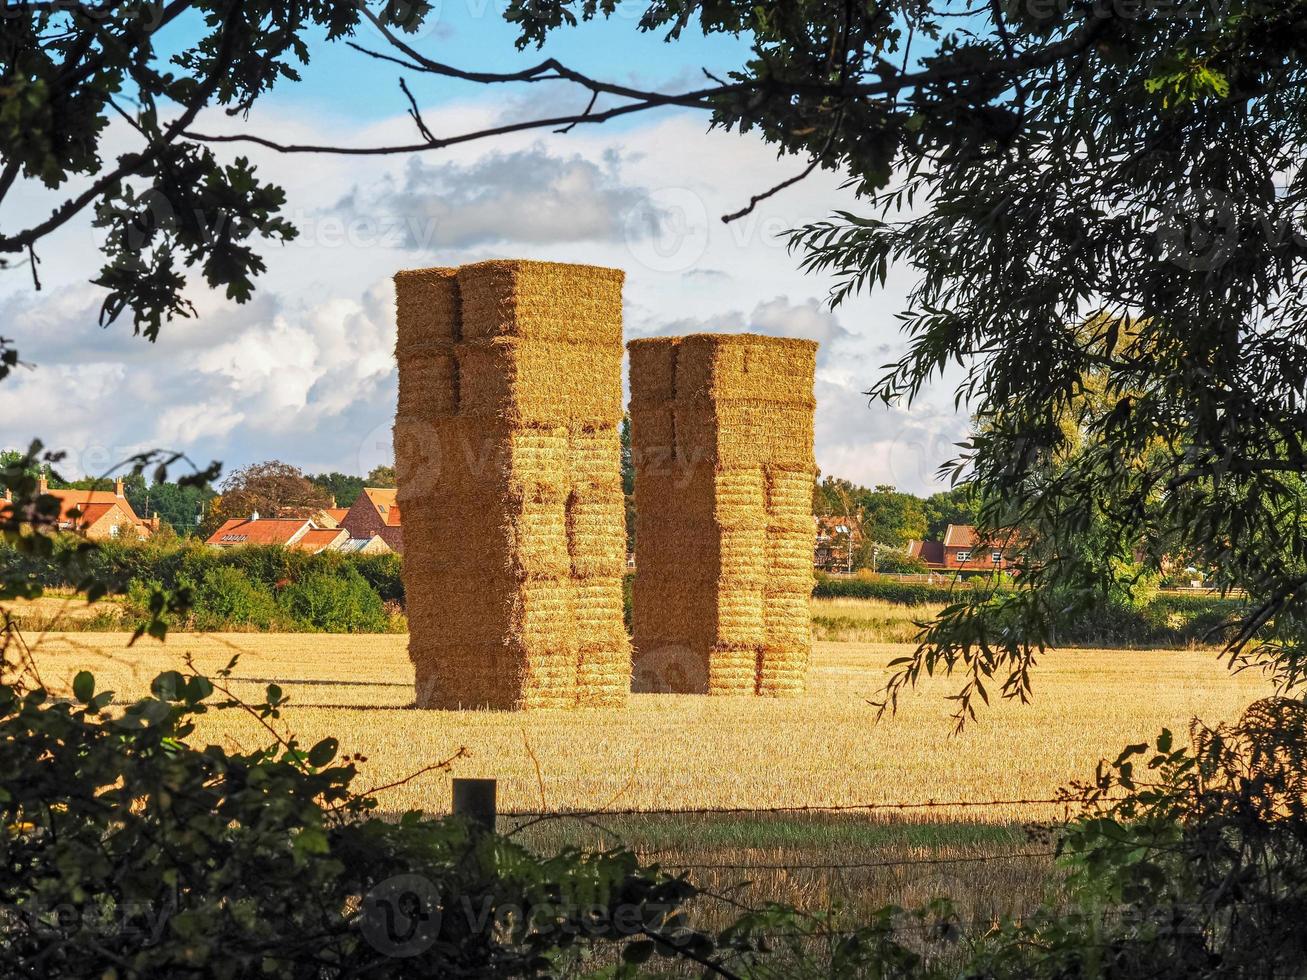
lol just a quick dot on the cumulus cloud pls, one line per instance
(530, 196)
(776, 317)
(305, 372)
(281, 375)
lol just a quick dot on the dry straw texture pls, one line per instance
(721, 432)
(508, 458)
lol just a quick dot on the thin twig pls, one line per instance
(415, 112)
(442, 766)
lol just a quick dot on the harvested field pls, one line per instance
(671, 751)
(688, 751)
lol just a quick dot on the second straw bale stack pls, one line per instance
(722, 440)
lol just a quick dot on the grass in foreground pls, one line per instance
(670, 751)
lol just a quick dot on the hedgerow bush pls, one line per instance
(224, 598)
(888, 590)
(247, 588)
(341, 603)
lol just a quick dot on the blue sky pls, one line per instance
(305, 373)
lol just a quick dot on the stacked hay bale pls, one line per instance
(507, 454)
(721, 436)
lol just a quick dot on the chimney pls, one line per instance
(254, 515)
(9, 496)
(42, 484)
(118, 487)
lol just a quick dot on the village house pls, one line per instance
(299, 533)
(375, 514)
(961, 550)
(99, 515)
(838, 538)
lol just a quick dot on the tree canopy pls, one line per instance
(272, 489)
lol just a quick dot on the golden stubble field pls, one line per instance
(670, 751)
(686, 751)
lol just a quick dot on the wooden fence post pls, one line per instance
(474, 799)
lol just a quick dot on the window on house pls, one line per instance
(996, 556)
(113, 530)
(963, 556)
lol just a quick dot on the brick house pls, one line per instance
(375, 513)
(837, 536)
(961, 550)
(299, 533)
(99, 515)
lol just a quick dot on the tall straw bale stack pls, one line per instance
(508, 463)
(721, 437)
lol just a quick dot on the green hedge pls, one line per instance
(253, 587)
(885, 589)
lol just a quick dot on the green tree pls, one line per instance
(178, 507)
(380, 476)
(271, 489)
(955, 506)
(891, 516)
(628, 483)
(341, 487)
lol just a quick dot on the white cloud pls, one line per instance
(528, 196)
(305, 371)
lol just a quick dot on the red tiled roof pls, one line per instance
(931, 552)
(87, 500)
(337, 514)
(320, 538)
(266, 530)
(961, 536)
(383, 498)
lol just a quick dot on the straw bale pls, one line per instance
(742, 552)
(732, 669)
(733, 433)
(745, 366)
(654, 431)
(508, 457)
(739, 615)
(426, 311)
(594, 456)
(428, 387)
(538, 538)
(530, 381)
(724, 529)
(596, 538)
(653, 363)
(782, 670)
(790, 557)
(789, 492)
(542, 301)
(787, 619)
(463, 676)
